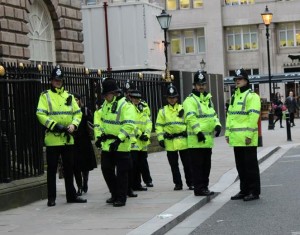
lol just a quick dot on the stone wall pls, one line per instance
(66, 17)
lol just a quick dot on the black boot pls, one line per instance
(79, 192)
(85, 176)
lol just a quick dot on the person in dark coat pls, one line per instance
(85, 159)
(292, 107)
(277, 106)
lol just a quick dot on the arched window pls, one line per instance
(41, 34)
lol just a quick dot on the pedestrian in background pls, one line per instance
(278, 107)
(85, 159)
(140, 142)
(202, 121)
(292, 106)
(114, 124)
(242, 134)
(172, 135)
(58, 111)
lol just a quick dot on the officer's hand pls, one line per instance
(114, 145)
(98, 142)
(71, 128)
(180, 113)
(143, 137)
(227, 139)
(247, 141)
(201, 137)
(59, 128)
(217, 130)
(162, 143)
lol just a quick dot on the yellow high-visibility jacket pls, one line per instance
(242, 118)
(169, 122)
(200, 115)
(143, 125)
(117, 119)
(58, 106)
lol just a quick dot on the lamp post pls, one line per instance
(267, 18)
(164, 21)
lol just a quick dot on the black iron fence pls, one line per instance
(21, 145)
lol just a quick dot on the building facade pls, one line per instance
(230, 34)
(41, 32)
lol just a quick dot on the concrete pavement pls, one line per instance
(152, 212)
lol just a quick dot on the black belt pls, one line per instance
(172, 136)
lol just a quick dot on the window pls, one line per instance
(289, 34)
(197, 3)
(90, 2)
(242, 38)
(239, 2)
(41, 34)
(184, 4)
(187, 41)
(171, 4)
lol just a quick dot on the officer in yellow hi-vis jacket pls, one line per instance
(113, 125)
(242, 133)
(202, 122)
(140, 142)
(59, 112)
(172, 135)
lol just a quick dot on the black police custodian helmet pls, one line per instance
(57, 73)
(129, 86)
(172, 91)
(109, 85)
(135, 93)
(200, 77)
(241, 73)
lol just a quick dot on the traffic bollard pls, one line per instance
(288, 127)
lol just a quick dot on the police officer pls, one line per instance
(202, 122)
(242, 134)
(113, 125)
(172, 135)
(58, 111)
(140, 141)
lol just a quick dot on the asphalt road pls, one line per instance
(277, 211)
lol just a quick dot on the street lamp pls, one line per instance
(267, 18)
(202, 64)
(164, 21)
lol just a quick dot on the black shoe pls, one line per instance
(110, 200)
(149, 185)
(251, 197)
(51, 203)
(131, 193)
(85, 188)
(79, 192)
(281, 126)
(178, 187)
(77, 200)
(238, 196)
(141, 188)
(204, 192)
(119, 204)
(191, 187)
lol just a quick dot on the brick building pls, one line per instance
(41, 32)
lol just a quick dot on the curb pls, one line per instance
(174, 215)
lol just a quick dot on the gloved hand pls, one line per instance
(201, 137)
(59, 128)
(143, 137)
(98, 142)
(217, 130)
(114, 145)
(162, 143)
(180, 113)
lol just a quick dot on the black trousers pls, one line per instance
(115, 166)
(201, 165)
(52, 155)
(140, 168)
(174, 164)
(248, 170)
(292, 118)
